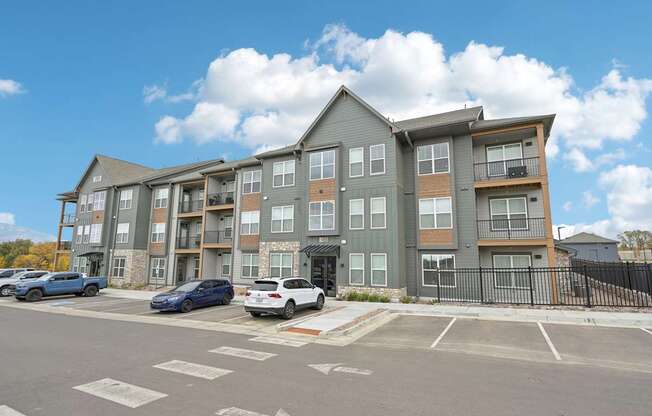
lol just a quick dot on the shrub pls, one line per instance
(406, 299)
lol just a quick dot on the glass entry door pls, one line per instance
(323, 274)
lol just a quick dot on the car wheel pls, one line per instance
(5, 291)
(90, 291)
(226, 299)
(255, 314)
(288, 311)
(34, 295)
(320, 303)
(186, 306)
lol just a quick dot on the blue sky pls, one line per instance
(80, 69)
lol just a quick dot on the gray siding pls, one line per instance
(596, 251)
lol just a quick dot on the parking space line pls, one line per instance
(121, 393)
(207, 310)
(279, 341)
(103, 302)
(122, 307)
(8, 411)
(243, 353)
(233, 319)
(646, 330)
(441, 336)
(549, 342)
(192, 369)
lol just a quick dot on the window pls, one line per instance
(161, 198)
(228, 227)
(82, 203)
(226, 264)
(322, 216)
(283, 219)
(122, 233)
(500, 158)
(356, 269)
(517, 278)
(280, 264)
(198, 229)
(97, 178)
(96, 234)
(82, 265)
(356, 162)
(438, 270)
(119, 266)
(158, 232)
(433, 158)
(283, 174)
(249, 222)
(251, 182)
(98, 201)
(378, 269)
(195, 267)
(89, 205)
(79, 234)
(87, 234)
(125, 198)
(250, 265)
(75, 264)
(158, 267)
(378, 212)
(508, 214)
(435, 213)
(377, 159)
(356, 214)
(322, 165)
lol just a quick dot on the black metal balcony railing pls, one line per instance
(191, 206)
(506, 169)
(512, 229)
(68, 219)
(215, 237)
(189, 242)
(64, 245)
(222, 198)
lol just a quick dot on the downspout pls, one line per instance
(416, 204)
(116, 198)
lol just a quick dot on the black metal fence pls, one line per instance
(222, 198)
(506, 169)
(512, 228)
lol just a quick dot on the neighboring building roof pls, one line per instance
(567, 249)
(481, 125)
(587, 238)
(436, 120)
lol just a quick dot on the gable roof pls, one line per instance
(586, 238)
(117, 170)
(464, 115)
(176, 170)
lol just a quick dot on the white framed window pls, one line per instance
(119, 264)
(96, 234)
(251, 181)
(356, 269)
(87, 234)
(378, 269)
(322, 165)
(89, 205)
(161, 198)
(356, 214)
(97, 178)
(226, 264)
(356, 162)
(435, 213)
(283, 219)
(280, 264)
(438, 270)
(249, 222)
(228, 227)
(433, 158)
(322, 216)
(158, 232)
(378, 212)
(158, 267)
(79, 234)
(99, 198)
(250, 265)
(510, 271)
(82, 203)
(75, 264)
(126, 196)
(508, 213)
(83, 264)
(283, 174)
(377, 159)
(122, 233)
(198, 229)
(502, 157)
(195, 267)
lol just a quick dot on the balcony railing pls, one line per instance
(191, 206)
(64, 245)
(216, 237)
(512, 229)
(189, 242)
(222, 198)
(506, 169)
(68, 219)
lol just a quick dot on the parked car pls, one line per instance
(6, 273)
(283, 296)
(61, 283)
(193, 294)
(8, 284)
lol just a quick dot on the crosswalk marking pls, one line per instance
(279, 341)
(243, 353)
(8, 411)
(121, 393)
(192, 369)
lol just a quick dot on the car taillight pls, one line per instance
(274, 295)
(248, 293)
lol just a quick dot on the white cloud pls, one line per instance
(153, 93)
(581, 163)
(568, 206)
(7, 218)
(588, 199)
(10, 87)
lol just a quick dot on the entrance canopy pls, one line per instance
(93, 255)
(319, 249)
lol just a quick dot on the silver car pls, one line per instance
(8, 284)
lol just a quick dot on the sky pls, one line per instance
(163, 83)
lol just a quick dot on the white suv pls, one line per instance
(283, 296)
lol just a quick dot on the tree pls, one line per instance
(45, 254)
(636, 240)
(63, 264)
(27, 260)
(12, 249)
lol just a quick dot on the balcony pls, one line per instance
(516, 170)
(220, 200)
(218, 239)
(512, 229)
(64, 245)
(191, 206)
(189, 242)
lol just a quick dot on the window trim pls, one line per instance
(118, 233)
(434, 199)
(439, 257)
(123, 267)
(284, 163)
(153, 233)
(371, 213)
(371, 261)
(156, 265)
(351, 268)
(350, 215)
(250, 265)
(82, 203)
(166, 199)
(361, 162)
(321, 216)
(282, 254)
(252, 173)
(509, 214)
(242, 222)
(321, 164)
(503, 160)
(99, 202)
(384, 159)
(130, 191)
(511, 273)
(282, 208)
(96, 231)
(432, 161)
(229, 264)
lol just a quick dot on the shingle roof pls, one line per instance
(277, 152)
(442, 119)
(585, 238)
(231, 165)
(121, 170)
(547, 120)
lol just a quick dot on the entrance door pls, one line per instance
(323, 274)
(95, 266)
(181, 269)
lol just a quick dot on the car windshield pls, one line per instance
(19, 275)
(186, 287)
(264, 286)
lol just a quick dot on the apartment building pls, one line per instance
(359, 202)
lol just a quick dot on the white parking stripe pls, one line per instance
(279, 341)
(121, 393)
(646, 330)
(243, 353)
(208, 310)
(192, 369)
(234, 411)
(549, 342)
(8, 411)
(103, 303)
(441, 336)
(234, 319)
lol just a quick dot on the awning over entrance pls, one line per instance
(93, 255)
(318, 249)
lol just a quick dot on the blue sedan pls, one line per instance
(194, 294)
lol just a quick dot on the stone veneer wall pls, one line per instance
(267, 247)
(135, 268)
(563, 258)
(393, 294)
